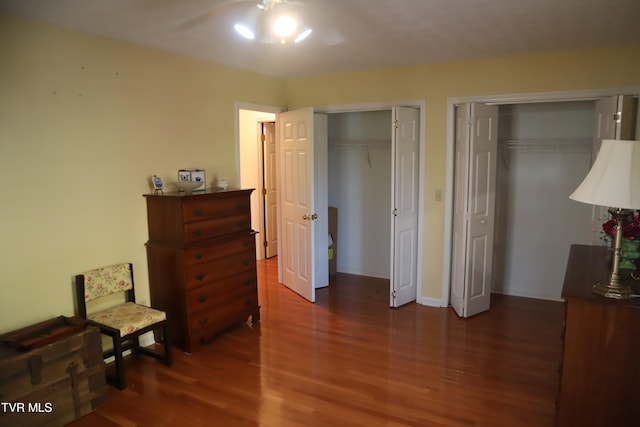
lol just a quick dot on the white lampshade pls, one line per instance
(614, 178)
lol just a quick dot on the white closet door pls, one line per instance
(404, 234)
(321, 199)
(270, 186)
(473, 246)
(461, 182)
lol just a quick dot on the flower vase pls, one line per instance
(629, 253)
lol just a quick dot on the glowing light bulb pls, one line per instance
(284, 26)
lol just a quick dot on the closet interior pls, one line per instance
(359, 185)
(544, 152)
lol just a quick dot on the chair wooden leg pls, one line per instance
(166, 342)
(119, 362)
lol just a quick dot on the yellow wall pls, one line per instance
(84, 123)
(435, 83)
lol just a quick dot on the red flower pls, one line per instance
(630, 227)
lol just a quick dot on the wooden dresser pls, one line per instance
(202, 263)
(600, 381)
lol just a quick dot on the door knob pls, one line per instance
(310, 217)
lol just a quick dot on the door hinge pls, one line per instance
(263, 138)
(395, 124)
(617, 117)
(470, 121)
(264, 191)
(395, 212)
(394, 294)
(265, 243)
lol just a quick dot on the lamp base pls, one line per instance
(612, 291)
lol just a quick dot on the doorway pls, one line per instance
(251, 166)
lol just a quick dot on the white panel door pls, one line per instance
(478, 211)
(296, 163)
(321, 200)
(404, 224)
(270, 190)
(461, 182)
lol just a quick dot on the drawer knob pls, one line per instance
(199, 256)
(247, 282)
(197, 212)
(241, 224)
(246, 262)
(200, 276)
(198, 232)
(203, 320)
(246, 243)
(240, 205)
(202, 298)
(248, 302)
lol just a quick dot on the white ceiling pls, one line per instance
(351, 34)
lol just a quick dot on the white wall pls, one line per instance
(360, 187)
(544, 153)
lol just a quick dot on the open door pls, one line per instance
(476, 145)
(297, 169)
(404, 199)
(269, 193)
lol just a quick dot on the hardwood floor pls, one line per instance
(350, 360)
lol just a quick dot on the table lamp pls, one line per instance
(613, 182)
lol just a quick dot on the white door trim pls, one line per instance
(519, 98)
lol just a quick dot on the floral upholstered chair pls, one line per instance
(123, 320)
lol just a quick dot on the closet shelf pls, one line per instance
(548, 145)
(339, 143)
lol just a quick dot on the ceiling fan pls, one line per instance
(267, 21)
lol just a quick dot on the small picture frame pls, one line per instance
(158, 185)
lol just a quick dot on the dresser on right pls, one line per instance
(600, 379)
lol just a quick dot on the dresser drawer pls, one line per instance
(202, 208)
(223, 248)
(209, 295)
(200, 231)
(203, 274)
(215, 316)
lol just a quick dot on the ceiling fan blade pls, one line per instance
(214, 11)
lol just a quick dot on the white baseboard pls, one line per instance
(431, 302)
(147, 339)
(527, 294)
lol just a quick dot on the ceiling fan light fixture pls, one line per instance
(303, 35)
(284, 26)
(244, 31)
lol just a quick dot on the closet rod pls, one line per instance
(548, 144)
(372, 143)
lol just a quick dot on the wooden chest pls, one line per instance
(202, 263)
(51, 373)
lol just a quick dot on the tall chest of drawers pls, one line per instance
(202, 263)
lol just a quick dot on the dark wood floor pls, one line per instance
(350, 360)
